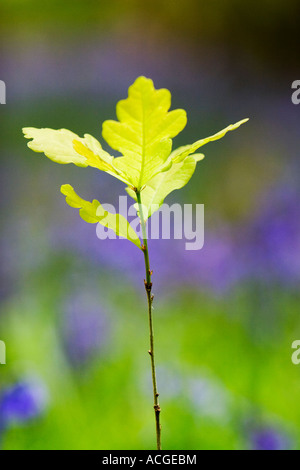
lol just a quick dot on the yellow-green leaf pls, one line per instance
(58, 145)
(144, 131)
(94, 160)
(93, 212)
(182, 152)
(155, 192)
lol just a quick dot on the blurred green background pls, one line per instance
(73, 310)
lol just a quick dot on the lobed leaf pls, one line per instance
(155, 192)
(143, 134)
(63, 146)
(94, 160)
(176, 172)
(143, 131)
(93, 212)
(182, 152)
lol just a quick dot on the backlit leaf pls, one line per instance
(143, 135)
(94, 160)
(93, 213)
(182, 152)
(155, 192)
(144, 131)
(63, 146)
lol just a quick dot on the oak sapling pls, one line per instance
(148, 167)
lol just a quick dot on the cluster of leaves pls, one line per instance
(143, 135)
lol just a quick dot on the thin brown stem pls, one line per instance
(150, 297)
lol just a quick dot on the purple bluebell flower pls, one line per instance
(267, 249)
(216, 268)
(22, 402)
(269, 439)
(272, 245)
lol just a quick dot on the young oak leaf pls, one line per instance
(94, 160)
(62, 145)
(143, 135)
(93, 213)
(155, 192)
(182, 152)
(143, 131)
(180, 167)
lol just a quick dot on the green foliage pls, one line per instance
(59, 146)
(143, 135)
(182, 152)
(93, 213)
(164, 183)
(144, 131)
